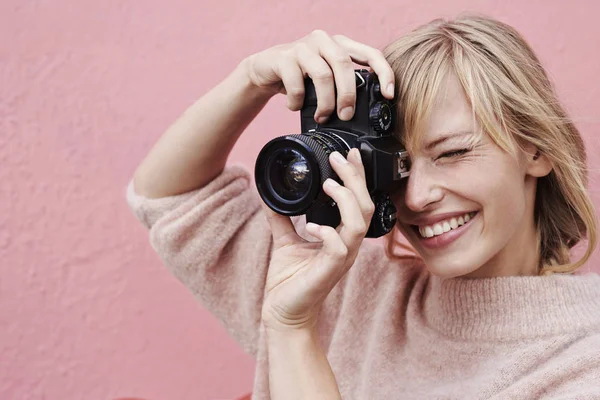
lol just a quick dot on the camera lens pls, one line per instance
(290, 171)
(290, 176)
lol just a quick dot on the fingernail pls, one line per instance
(338, 158)
(390, 89)
(322, 120)
(346, 113)
(331, 183)
(357, 153)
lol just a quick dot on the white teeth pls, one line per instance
(444, 226)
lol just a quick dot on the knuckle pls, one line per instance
(347, 97)
(367, 216)
(300, 47)
(322, 75)
(294, 106)
(359, 228)
(288, 57)
(353, 169)
(352, 172)
(295, 92)
(342, 251)
(378, 53)
(354, 234)
(343, 60)
(288, 51)
(318, 33)
(327, 230)
(370, 208)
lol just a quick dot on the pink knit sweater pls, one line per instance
(390, 329)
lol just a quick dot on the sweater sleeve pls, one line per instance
(575, 373)
(217, 242)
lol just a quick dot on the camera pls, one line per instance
(290, 170)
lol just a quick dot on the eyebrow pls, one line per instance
(448, 136)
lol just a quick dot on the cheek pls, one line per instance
(501, 193)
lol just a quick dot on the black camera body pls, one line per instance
(290, 170)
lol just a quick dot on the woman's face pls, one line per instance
(467, 207)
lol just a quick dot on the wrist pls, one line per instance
(298, 365)
(277, 324)
(293, 342)
(275, 332)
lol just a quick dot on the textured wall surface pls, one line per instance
(86, 309)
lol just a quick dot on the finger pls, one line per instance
(351, 172)
(293, 81)
(334, 253)
(282, 228)
(343, 71)
(356, 160)
(354, 227)
(366, 55)
(322, 77)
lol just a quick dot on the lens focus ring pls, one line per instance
(323, 146)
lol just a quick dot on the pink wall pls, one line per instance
(86, 309)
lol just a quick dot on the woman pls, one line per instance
(487, 306)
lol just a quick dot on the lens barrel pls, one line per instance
(290, 171)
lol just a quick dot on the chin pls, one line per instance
(446, 269)
(459, 257)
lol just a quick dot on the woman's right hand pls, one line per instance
(327, 60)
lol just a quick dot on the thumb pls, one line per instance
(282, 227)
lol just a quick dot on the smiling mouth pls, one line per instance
(442, 227)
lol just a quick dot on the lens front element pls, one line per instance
(289, 174)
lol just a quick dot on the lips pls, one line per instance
(439, 240)
(444, 226)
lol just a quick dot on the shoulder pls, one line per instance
(579, 364)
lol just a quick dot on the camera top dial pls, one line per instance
(380, 117)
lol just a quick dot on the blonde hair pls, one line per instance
(516, 104)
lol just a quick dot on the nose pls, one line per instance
(422, 189)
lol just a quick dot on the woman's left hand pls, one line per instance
(302, 273)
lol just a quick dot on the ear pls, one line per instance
(537, 163)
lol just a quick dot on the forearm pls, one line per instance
(194, 150)
(298, 368)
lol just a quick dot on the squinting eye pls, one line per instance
(454, 153)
